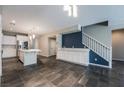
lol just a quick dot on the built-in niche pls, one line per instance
(72, 40)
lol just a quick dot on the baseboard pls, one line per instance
(117, 59)
(44, 55)
(99, 65)
(72, 62)
(9, 57)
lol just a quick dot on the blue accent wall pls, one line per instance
(72, 39)
(75, 39)
(100, 60)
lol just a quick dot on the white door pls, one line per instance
(52, 46)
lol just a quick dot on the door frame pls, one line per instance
(49, 51)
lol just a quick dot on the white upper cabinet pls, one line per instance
(22, 38)
(9, 40)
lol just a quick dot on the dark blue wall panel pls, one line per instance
(72, 39)
(100, 60)
(75, 39)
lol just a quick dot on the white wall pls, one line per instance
(36, 44)
(43, 40)
(52, 46)
(118, 45)
(8, 46)
(116, 16)
(100, 33)
(43, 45)
(0, 47)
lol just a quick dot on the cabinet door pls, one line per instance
(22, 38)
(9, 40)
(9, 51)
(21, 56)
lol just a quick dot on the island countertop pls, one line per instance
(30, 50)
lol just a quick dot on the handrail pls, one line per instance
(96, 46)
(96, 40)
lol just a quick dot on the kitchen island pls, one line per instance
(28, 56)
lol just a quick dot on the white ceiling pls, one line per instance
(47, 18)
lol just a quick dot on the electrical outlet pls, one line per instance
(95, 59)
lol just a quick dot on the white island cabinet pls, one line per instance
(74, 55)
(29, 56)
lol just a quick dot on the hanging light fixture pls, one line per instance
(12, 25)
(33, 36)
(71, 9)
(30, 37)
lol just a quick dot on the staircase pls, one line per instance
(97, 47)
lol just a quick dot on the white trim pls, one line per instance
(99, 65)
(118, 59)
(71, 62)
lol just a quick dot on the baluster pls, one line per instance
(101, 50)
(83, 38)
(86, 40)
(109, 54)
(96, 47)
(106, 53)
(90, 43)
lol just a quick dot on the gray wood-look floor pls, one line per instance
(49, 72)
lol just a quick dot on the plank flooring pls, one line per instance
(49, 72)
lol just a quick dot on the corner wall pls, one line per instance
(118, 45)
(100, 33)
(0, 47)
(44, 39)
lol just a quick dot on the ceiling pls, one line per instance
(41, 19)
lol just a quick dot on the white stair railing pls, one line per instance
(96, 46)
